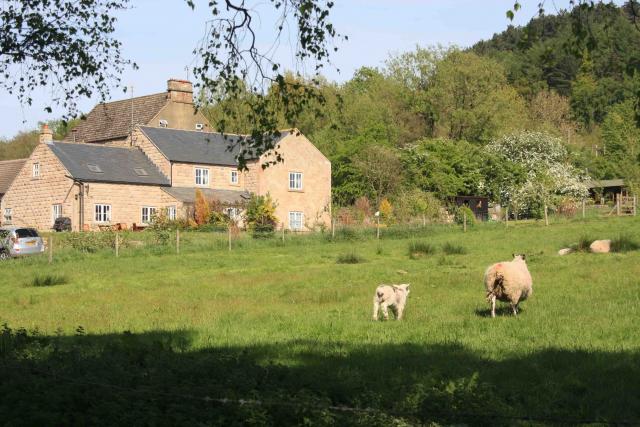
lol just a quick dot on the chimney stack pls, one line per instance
(180, 91)
(46, 135)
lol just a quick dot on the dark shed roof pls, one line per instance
(98, 163)
(188, 195)
(197, 147)
(8, 171)
(112, 120)
(605, 183)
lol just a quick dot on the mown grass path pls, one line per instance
(289, 326)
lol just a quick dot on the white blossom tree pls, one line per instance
(549, 174)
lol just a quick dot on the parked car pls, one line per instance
(19, 241)
(62, 224)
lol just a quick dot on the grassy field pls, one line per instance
(155, 338)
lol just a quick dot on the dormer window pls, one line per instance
(163, 123)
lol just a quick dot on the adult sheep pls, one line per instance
(508, 281)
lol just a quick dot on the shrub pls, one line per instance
(416, 249)
(349, 258)
(94, 241)
(452, 249)
(202, 208)
(48, 280)
(459, 213)
(624, 244)
(261, 216)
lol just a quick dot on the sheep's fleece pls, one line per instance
(394, 296)
(508, 281)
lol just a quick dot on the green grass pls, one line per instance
(419, 249)
(152, 337)
(48, 280)
(624, 244)
(349, 258)
(453, 249)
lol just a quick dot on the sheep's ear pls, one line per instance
(513, 255)
(407, 286)
(395, 287)
(524, 257)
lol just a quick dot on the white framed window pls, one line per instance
(172, 212)
(234, 177)
(8, 214)
(36, 170)
(295, 180)
(296, 220)
(233, 213)
(103, 213)
(56, 212)
(147, 214)
(202, 177)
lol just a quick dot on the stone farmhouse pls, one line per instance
(104, 176)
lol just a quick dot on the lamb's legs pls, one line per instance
(514, 307)
(376, 306)
(400, 312)
(492, 300)
(385, 310)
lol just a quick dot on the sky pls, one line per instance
(160, 35)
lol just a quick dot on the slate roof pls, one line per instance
(187, 146)
(98, 163)
(8, 171)
(228, 197)
(112, 120)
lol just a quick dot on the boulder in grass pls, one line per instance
(600, 246)
(565, 251)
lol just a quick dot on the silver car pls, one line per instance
(18, 241)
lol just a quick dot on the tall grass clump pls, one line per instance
(48, 280)
(453, 249)
(624, 244)
(417, 249)
(583, 245)
(349, 258)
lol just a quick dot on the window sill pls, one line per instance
(294, 190)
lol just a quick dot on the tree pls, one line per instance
(382, 169)
(202, 208)
(549, 173)
(470, 99)
(65, 45)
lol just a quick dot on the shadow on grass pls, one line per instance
(501, 310)
(156, 378)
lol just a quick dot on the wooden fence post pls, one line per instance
(464, 220)
(50, 249)
(583, 209)
(546, 215)
(177, 241)
(618, 201)
(283, 232)
(635, 204)
(378, 229)
(506, 216)
(229, 232)
(333, 228)
(117, 245)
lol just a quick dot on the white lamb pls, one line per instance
(508, 281)
(394, 296)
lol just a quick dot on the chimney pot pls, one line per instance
(46, 135)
